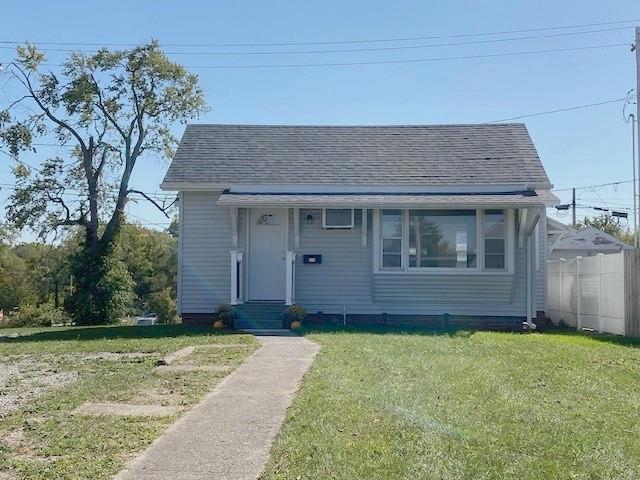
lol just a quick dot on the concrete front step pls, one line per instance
(259, 315)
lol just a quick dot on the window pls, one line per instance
(442, 239)
(392, 239)
(337, 218)
(447, 241)
(268, 219)
(495, 230)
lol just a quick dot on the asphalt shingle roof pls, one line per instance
(428, 155)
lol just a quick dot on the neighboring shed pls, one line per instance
(586, 242)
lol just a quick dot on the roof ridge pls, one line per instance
(417, 125)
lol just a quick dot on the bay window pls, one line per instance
(460, 240)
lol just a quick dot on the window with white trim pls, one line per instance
(392, 239)
(495, 240)
(456, 241)
(337, 218)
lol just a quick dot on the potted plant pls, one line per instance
(294, 315)
(223, 316)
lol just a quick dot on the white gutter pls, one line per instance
(345, 188)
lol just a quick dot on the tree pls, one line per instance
(151, 258)
(110, 107)
(15, 285)
(610, 225)
(48, 267)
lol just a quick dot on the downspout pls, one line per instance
(528, 270)
(528, 232)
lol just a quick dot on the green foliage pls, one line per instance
(151, 258)
(610, 225)
(34, 273)
(224, 313)
(103, 292)
(15, 285)
(164, 304)
(43, 315)
(108, 109)
(294, 313)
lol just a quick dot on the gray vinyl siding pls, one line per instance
(540, 281)
(206, 242)
(344, 276)
(344, 281)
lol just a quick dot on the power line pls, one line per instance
(389, 62)
(338, 42)
(20, 161)
(356, 50)
(82, 193)
(147, 222)
(591, 186)
(559, 110)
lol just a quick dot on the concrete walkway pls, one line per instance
(229, 434)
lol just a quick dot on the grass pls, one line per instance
(381, 405)
(55, 444)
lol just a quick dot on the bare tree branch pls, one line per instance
(162, 208)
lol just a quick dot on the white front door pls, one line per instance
(267, 249)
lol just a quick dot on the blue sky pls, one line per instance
(581, 147)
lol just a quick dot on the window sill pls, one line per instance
(435, 272)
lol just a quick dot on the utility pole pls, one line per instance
(573, 205)
(636, 218)
(636, 47)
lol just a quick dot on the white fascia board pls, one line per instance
(438, 206)
(343, 188)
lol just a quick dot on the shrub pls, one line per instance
(224, 313)
(294, 313)
(164, 305)
(43, 315)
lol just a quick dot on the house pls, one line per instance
(555, 229)
(419, 225)
(588, 241)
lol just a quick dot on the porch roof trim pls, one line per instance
(528, 198)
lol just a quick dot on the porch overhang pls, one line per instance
(514, 199)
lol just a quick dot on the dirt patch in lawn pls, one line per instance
(24, 380)
(124, 410)
(117, 356)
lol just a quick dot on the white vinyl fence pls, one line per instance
(598, 293)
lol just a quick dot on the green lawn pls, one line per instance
(379, 405)
(42, 440)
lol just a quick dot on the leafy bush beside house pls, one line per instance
(225, 313)
(293, 313)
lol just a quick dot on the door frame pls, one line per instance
(247, 241)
